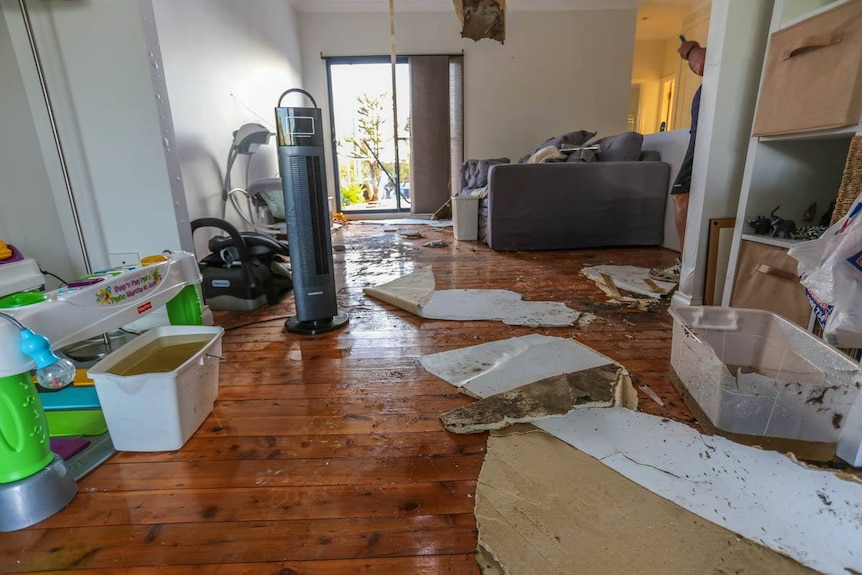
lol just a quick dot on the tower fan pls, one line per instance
(301, 162)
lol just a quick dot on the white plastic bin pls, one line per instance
(158, 389)
(756, 374)
(465, 217)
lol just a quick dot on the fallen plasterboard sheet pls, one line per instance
(811, 515)
(409, 292)
(554, 396)
(415, 293)
(741, 488)
(500, 366)
(543, 508)
(406, 222)
(611, 279)
(506, 306)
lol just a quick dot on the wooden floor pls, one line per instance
(324, 454)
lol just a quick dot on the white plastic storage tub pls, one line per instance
(755, 374)
(159, 388)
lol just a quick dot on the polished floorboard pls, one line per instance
(324, 454)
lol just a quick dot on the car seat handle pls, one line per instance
(298, 90)
(245, 254)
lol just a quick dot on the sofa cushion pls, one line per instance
(624, 147)
(475, 172)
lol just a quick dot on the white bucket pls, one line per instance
(465, 217)
(158, 389)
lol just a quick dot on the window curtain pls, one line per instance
(436, 133)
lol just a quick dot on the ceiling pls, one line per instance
(446, 5)
(661, 20)
(657, 19)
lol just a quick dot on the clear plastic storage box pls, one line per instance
(754, 375)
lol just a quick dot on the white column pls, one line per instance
(738, 31)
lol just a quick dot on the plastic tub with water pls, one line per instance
(158, 389)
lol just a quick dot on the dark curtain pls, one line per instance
(435, 131)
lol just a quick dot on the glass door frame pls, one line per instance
(340, 60)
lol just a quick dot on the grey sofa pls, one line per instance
(618, 199)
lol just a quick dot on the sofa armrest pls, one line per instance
(474, 173)
(574, 205)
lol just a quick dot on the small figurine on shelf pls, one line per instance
(807, 233)
(761, 225)
(826, 219)
(781, 228)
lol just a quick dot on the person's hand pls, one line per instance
(685, 48)
(697, 60)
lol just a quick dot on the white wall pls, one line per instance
(28, 218)
(737, 42)
(226, 63)
(557, 72)
(100, 69)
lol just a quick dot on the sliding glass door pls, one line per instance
(370, 175)
(363, 121)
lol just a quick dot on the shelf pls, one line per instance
(834, 133)
(804, 9)
(768, 240)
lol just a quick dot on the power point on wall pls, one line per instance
(124, 259)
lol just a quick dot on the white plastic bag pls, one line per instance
(830, 268)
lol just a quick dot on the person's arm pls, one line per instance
(695, 54)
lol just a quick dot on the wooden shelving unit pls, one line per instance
(789, 172)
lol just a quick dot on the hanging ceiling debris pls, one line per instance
(482, 19)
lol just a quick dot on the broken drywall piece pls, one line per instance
(408, 292)
(548, 397)
(415, 293)
(506, 306)
(500, 366)
(585, 319)
(406, 222)
(482, 19)
(545, 508)
(611, 279)
(652, 395)
(742, 488)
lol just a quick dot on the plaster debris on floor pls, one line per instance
(554, 396)
(652, 395)
(623, 284)
(545, 508)
(744, 489)
(406, 222)
(500, 366)
(416, 293)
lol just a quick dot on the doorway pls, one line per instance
(668, 91)
(362, 111)
(382, 166)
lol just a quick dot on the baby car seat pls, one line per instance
(243, 270)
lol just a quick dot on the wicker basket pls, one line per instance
(851, 182)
